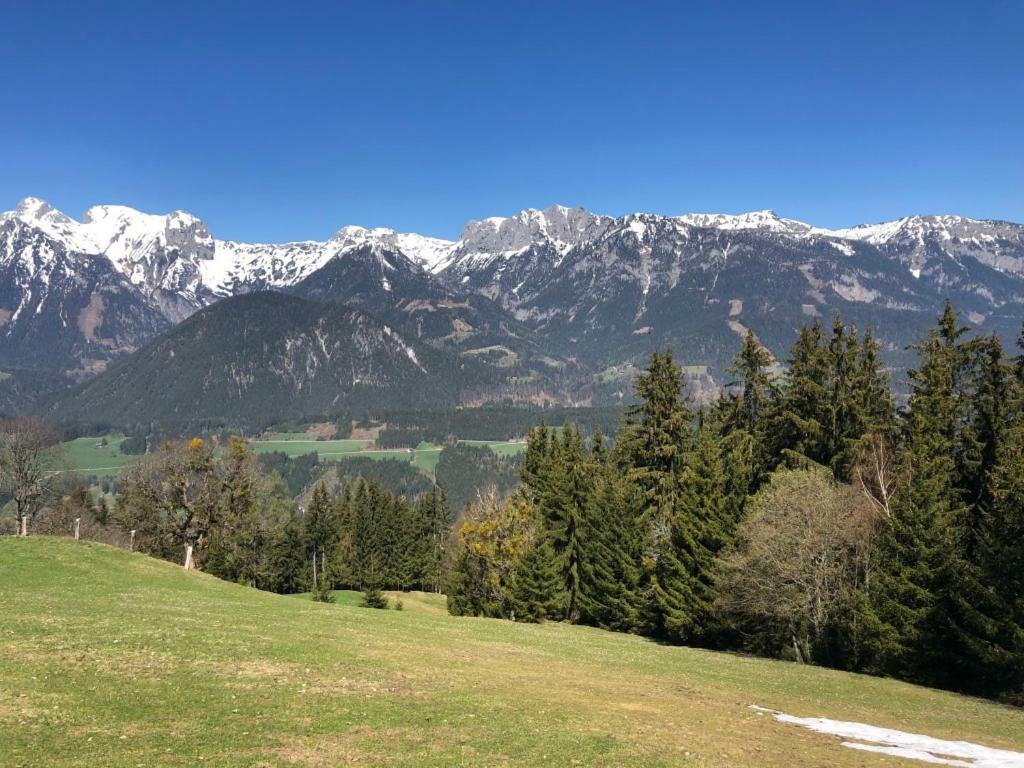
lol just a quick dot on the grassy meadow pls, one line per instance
(115, 659)
(88, 456)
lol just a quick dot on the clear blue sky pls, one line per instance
(277, 121)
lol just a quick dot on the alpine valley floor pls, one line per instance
(116, 659)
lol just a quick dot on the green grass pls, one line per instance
(426, 458)
(500, 447)
(115, 659)
(423, 602)
(294, 445)
(86, 456)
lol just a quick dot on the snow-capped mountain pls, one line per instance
(561, 298)
(65, 309)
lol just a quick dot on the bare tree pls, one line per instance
(796, 558)
(874, 473)
(29, 451)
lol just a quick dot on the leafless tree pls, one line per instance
(874, 473)
(29, 459)
(795, 561)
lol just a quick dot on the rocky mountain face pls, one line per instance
(558, 305)
(254, 359)
(65, 309)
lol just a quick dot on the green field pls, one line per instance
(426, 458)
(86, 456)
(299, 444)
(115, 659)
(500, 447)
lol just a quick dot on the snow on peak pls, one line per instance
(33, 208)
(43, 216)
(428, 252)
(766, 220)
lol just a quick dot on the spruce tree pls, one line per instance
(752, 406)
(804, 402)
(1001, 558)
(609, 574)
(539, 592)
(318, 531)
(913, 543)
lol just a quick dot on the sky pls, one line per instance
(274, 121)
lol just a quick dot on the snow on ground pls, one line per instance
(913, 746)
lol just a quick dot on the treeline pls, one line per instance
(804, 517)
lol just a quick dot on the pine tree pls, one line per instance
(752, 407)
(658, 430)
(318, 532)
(705, 524)
(539, 591)
(1001, 557)
(875, 406)
(566, 484)
(844, 427)
(804, 402)
(913, 543)
(433, 516)
(610, 538)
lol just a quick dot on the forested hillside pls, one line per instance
(803, 517)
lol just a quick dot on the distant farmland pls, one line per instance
(101, 456)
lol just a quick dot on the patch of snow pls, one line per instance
(844, 248)
(916, 272)
(638, 228)
(763, 220)
(913, 746)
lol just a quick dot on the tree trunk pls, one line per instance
(796, 649)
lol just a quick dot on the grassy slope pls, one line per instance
(86, 455)
(114, 659)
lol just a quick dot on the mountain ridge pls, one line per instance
(561, 304)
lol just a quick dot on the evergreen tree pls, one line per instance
(609, 574)
(539, 591)
(433, 516)
(703, 525)
(804, 402)
(872, 390)
(1001, 557)
(752, 407)
(318, 532)
(658, 430)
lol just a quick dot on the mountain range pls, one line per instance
(559, 305)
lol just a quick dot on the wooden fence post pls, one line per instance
(24, 527)
(78, 521)
(189, 565)
(131, 541)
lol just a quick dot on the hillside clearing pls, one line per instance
(116, 659)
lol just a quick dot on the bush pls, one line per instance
(374, 598)
(322, 592)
